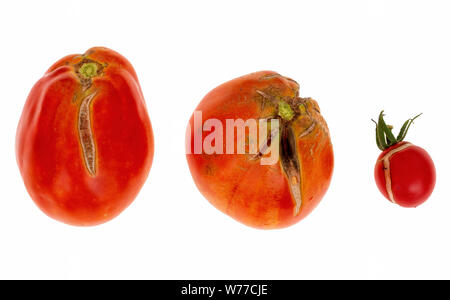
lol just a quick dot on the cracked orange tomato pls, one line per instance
(84, 142)
(404, 173)
(261, 195)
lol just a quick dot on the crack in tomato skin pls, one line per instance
(291, 166)
(86, 135)
(386, 160)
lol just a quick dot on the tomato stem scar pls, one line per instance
(285, 111)
(89, 70)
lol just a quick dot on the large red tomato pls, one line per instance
(84, 143)
(262, 195)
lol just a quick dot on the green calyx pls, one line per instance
(89, 70)
(384, 136)
(285, 111)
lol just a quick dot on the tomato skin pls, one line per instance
(412, 175)
(254, 194)
(49, 151)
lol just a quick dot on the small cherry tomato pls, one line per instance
(84, 142)
(244, 184)
(404, 173)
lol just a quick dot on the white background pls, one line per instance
(354, 57)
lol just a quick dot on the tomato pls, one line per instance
(404, 173)
(84, 142)
(261, 195)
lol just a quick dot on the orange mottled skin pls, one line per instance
(238, 185)
(48, 149)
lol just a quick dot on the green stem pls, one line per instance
(384, 136)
